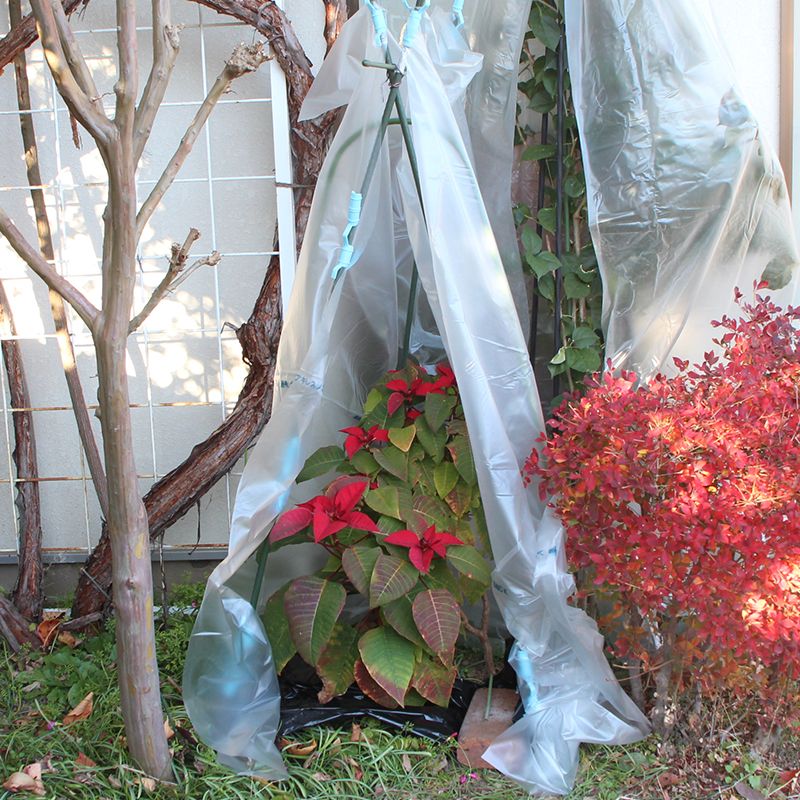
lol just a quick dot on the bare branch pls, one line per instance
(57, 306)
(75, 59)
(166, 43)
(85, 310)
(245, 59)
(335, 17)
(176, 273)
(127, 85)
(80, 104)
(23, 34)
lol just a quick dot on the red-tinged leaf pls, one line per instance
(399, 615)
(290, 523)
(395, 401)
(358, 563)
(370, 688)
(391, 578)
(335, 665)
(47, 629)
(389, 659)
(434, 681)
(313, 607)
(436, 614)
(469, 562)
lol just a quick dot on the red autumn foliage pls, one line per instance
(682, 500)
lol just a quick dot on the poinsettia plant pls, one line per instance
(403, 526)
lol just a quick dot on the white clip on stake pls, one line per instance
(414, 21)
(458, 13)
(353, 218)
(379, 23)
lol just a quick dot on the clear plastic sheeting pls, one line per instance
(686, 198)
(339, 338)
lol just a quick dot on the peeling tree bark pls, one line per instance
(179, 491)
(27, 595)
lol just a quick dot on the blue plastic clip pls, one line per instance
(379, 23)
(458, 13)
(414, 21)
(353, 218)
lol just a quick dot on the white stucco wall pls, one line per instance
(185, 366)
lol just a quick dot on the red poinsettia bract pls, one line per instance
(421, 549)
(357, 438)
(327, 515)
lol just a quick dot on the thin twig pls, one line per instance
(245, 59)
(175, 274)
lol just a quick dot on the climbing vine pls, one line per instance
(567, 286)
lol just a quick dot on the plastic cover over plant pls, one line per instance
(341, 336)
(686, 198)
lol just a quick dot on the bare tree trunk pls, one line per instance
(14, 628)
(27, 595)
(179, 491)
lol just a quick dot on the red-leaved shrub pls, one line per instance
(682, 504)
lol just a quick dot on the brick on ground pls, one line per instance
(477, 733)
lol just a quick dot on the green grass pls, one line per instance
(361, 762)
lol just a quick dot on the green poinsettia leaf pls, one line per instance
(313, 606)
(437, 618)
(394, 461)
(422, 477)
(390, 524)
(438, 408)
(374, 399)
(445, 478)
(391, 578)
(434, 681)
(403, 438)
(399, 615)
(323, 461)
(358, 563)
(461, 453)
(336, 664)
(364, 463)
(389, 659)
(276, 623)
(441, 576)
(432, 511)
(385, 500)
(433, 442)
(469, 562)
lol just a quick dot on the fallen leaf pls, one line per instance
(84, 761)
(355, 735)
(29, 780)
(115, 782)
(149, 784)
(406, 762)
(47, 629)
(297, 748)
(65, 637)
(748, 792)
(81, 711)
(168, 732)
